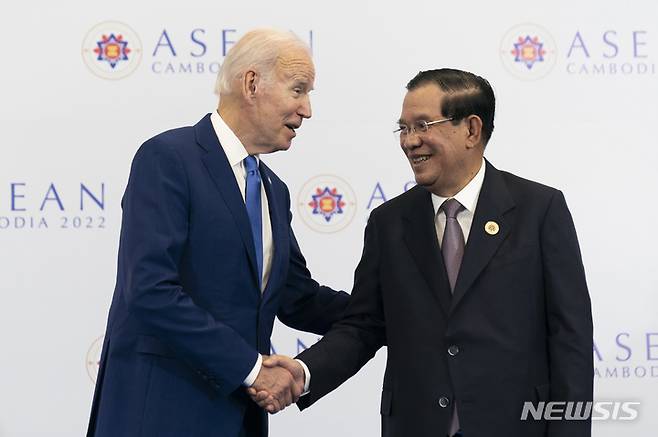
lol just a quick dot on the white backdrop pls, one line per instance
(579, 115)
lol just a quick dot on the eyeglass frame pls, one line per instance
(411, 130)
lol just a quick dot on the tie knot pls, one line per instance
(251, 164)
(451, 208)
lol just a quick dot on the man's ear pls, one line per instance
(249, 84)
(474, 130)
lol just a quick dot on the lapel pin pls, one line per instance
(491, 228)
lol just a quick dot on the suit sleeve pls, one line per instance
(305, 304)
(569, 316)
(153, 242)
(355, 339)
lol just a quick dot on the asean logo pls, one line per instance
(111, 50)
(93, 359)
(326, 203)
(528, 51)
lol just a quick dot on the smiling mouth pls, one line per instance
(419, 159)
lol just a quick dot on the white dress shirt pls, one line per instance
(468, 197)
(236, 153)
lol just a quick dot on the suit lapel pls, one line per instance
(278, 226)
(493, 204)
(420, 238)
(221, 173)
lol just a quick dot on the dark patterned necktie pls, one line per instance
(452, 249)
(452, 245)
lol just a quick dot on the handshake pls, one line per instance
(280, 382)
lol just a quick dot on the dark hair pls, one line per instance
(466, 94)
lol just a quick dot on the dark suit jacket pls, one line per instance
(518, 327)
(187, 318)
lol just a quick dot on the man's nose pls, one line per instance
(410, 141)
(305, 108)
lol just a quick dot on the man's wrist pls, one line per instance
(307, 376)
(251, 377)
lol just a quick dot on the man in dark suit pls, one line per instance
(473, 280)
(207, 259)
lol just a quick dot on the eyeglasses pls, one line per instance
(421, 126)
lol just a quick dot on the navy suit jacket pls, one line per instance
(187, 318)
(517, 328)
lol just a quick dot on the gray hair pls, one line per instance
(258, 49)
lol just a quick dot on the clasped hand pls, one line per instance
(280, 382)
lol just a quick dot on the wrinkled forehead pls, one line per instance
(295, 64)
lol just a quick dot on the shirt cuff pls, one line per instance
(251, 378)
(307, 376)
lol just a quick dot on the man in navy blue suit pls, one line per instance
(207, 259)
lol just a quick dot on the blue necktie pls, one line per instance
(252, 200)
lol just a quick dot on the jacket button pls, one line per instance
(453, 350)
(444, 401)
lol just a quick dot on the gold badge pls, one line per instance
(491, 228)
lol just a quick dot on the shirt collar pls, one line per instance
(468, 196)
(233, 147)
